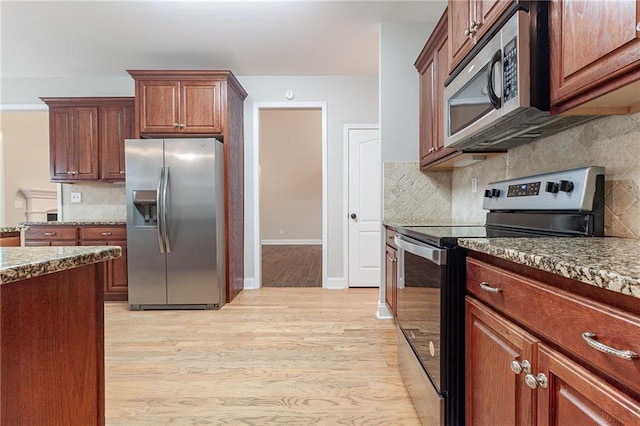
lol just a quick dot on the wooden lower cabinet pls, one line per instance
(115, 279)
(10, 239)
(523, 366)
(494, 394)
(390, 282)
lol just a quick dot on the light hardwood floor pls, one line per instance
(274, 356)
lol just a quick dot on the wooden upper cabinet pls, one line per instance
(116, 125)
(469, 21)
(187, 102)
(73, 142)
(159, 106)
(433, 66)
(595, 50)
(86, 137)
(200, 106)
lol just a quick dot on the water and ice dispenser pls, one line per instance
(146, 208)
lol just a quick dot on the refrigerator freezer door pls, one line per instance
(146, 264)
(194, 209)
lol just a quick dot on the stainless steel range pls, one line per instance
(431, 276)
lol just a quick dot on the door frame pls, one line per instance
(257, 246)
(345, 193)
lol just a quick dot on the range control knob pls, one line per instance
(566, 186)
(487, 193)
(495, 192)
(552, 187)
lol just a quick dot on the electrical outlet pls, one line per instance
(474, 185)
(18, 204)
(76, 197)
(282, 232)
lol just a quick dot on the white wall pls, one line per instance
(290, 175)
(400, 45)
(25, 137)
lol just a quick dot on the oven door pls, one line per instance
(422, 273)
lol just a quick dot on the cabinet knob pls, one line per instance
(182, 125)
(534, 381)
(121, 172)
(107, 233)
(49, 234)
(467, 33)
(176, 125)
(519, 367)
(638, 27)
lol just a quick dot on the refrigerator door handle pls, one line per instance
(165, 211)
(160, 207)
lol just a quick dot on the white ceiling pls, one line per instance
(104, 38)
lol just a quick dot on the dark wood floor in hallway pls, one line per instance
(292, 265)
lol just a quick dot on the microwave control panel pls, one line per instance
(510, 70)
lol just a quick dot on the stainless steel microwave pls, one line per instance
(500, 98)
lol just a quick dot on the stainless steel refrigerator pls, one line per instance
(175, 223)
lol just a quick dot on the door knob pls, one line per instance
(353, 216)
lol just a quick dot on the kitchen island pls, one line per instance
(52, 334)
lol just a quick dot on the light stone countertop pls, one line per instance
(19, 263)
(605, 262)
(7, 229)
(77, 223)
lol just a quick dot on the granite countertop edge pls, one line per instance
(10, 229)
(594, 261)
(76, 223)
(20, 263)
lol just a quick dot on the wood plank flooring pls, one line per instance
(292, 265)
(274, 356)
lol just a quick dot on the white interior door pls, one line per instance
(364, 207)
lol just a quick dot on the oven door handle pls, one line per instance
(432, 254)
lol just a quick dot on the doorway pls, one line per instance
(290, 194)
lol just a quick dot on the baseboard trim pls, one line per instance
(383, 311)
(336, 283)
(250, 284)
(290, 242)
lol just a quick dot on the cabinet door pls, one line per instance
(61, 142)
(159, 106)
(200, 106)
(459, 17)
(115, 271)
(592, 42)
(494, 394)
(574, 396)
(428, 107)
(86, 160)
(487, 13)
(390, 282)
(116, 125)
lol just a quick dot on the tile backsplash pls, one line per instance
(612, 142)
(413, 197)
(100, 201)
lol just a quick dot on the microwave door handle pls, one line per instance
(493, 98)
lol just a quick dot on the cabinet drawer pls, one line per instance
(562, 318)
(103, 233)
(51, 233)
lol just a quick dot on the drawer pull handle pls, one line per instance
(590, 339)
(486, 287)
(49, 234)
(107, 233)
